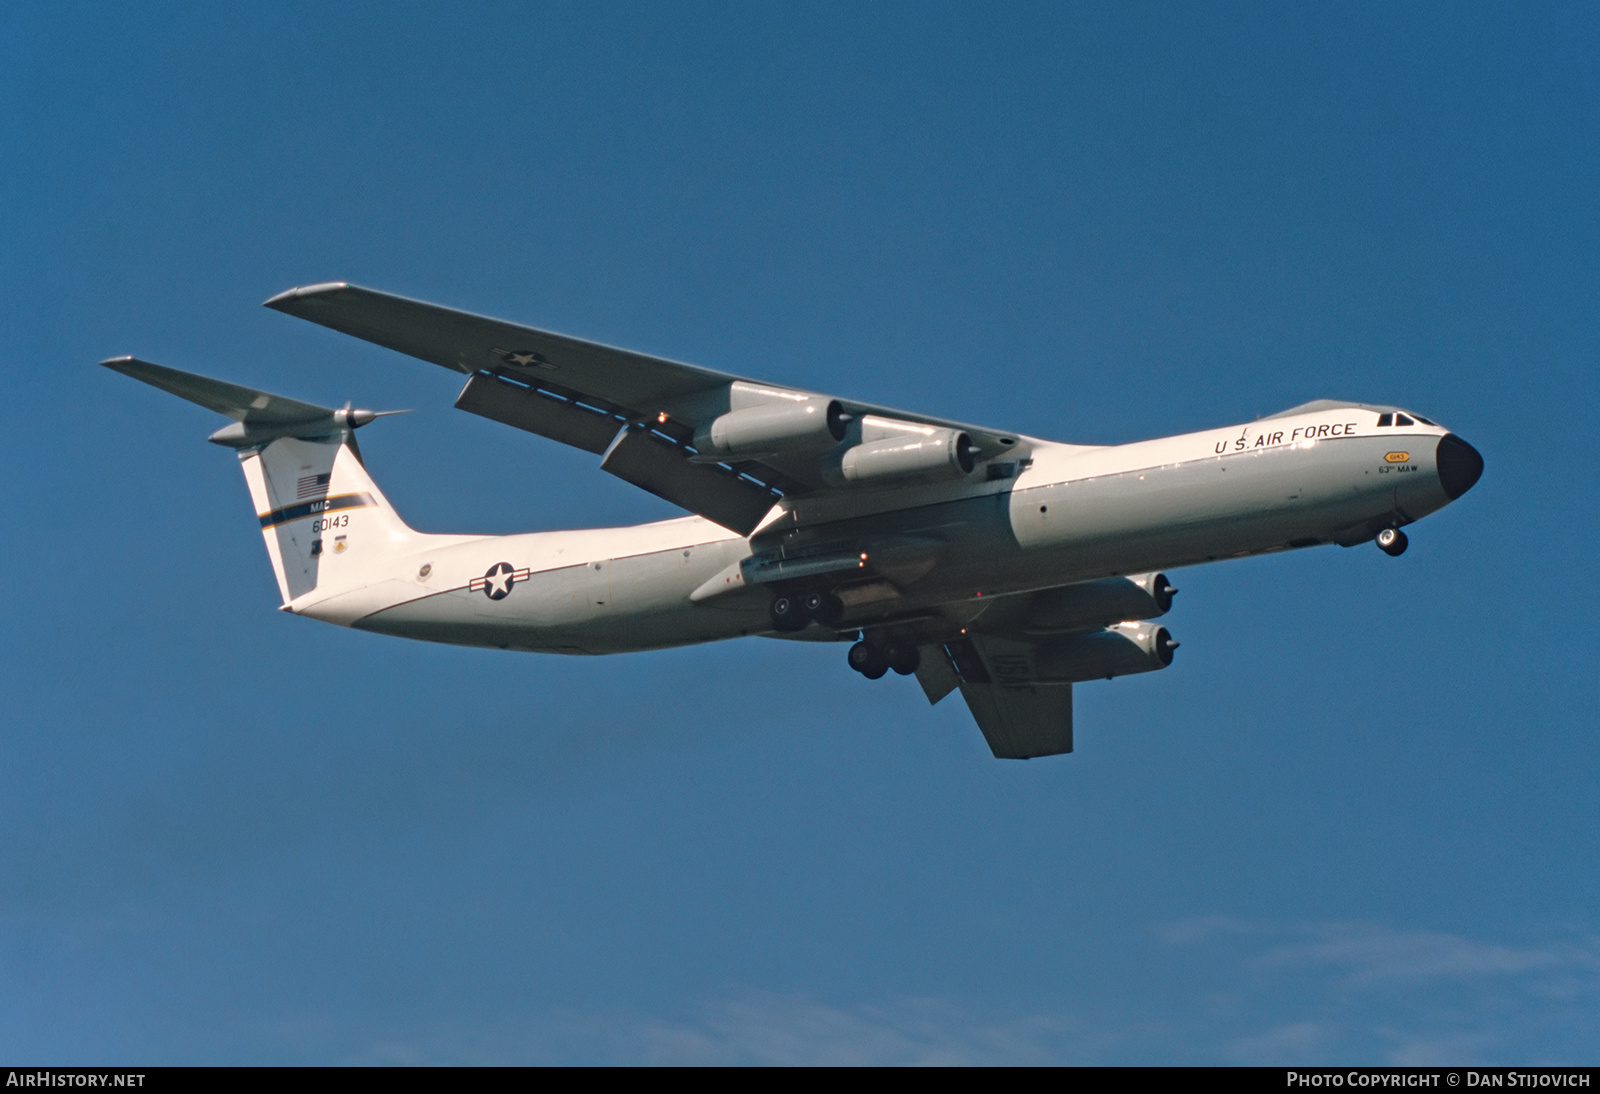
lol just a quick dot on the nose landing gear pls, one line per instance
(1392, 541)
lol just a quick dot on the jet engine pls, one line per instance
(890, 449)
(812, 421)
(1097, 603)
(1121, 650)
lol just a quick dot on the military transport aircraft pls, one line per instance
(1002, 565)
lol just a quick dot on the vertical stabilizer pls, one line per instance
(325, 522)
(323, 518)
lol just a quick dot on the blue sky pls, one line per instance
(1356, 820)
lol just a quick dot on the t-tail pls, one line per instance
(327, 526)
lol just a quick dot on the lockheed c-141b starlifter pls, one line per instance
(1002, 565)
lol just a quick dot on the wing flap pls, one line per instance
(547, 414)
(662, 467)
(1022, 723)
(1020, 718)
(935, 673)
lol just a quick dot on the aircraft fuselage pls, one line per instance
(1054, 515)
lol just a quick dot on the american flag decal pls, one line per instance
(310, 486)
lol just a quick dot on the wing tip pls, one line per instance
(129, 365)
(282, 301)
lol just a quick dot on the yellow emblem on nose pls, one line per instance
(1396, 457)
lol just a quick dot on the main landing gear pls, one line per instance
(1392, 541)
(873, 661)
(794, 611)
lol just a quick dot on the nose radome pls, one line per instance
(1460, 465)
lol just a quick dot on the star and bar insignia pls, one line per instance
(524, 358)
(497, 583)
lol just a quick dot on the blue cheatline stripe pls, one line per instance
(312, 508)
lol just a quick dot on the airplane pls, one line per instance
(1003, 566)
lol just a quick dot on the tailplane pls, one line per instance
(324, 520)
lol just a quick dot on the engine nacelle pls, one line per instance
(799, 421)
(1121, 650)
(1097, 603)
(891, 449)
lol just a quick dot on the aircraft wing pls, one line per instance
(1020, 717)
(638, 412)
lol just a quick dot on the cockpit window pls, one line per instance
(1423, 420)
(1401, 419)
(1385, 420)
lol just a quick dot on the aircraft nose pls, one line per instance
(1460, 465)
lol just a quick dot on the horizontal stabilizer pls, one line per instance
(260, 414)
(242, 404)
